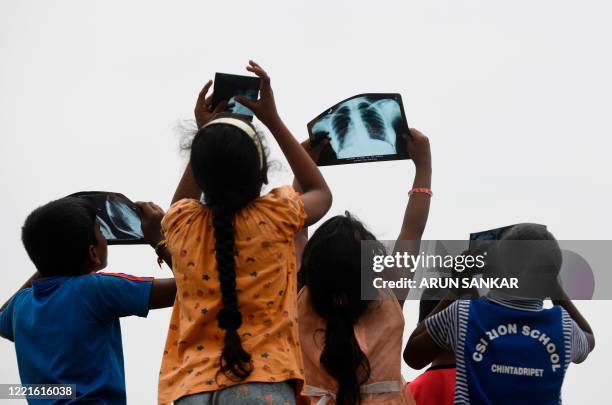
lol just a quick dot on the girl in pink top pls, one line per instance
(352, 347)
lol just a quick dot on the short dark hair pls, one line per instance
(540, 252)
(57, 236)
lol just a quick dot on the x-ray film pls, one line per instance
(118, 217)
(364, 128)
(228, 86)
(480, 241)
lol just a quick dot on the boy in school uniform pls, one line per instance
(64, 321)
(508, 348)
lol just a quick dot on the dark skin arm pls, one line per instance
(301, 238)
(567, 304)
(316, 196)
(421, 348)
(417, 209)
(163, 291)
(187, 187)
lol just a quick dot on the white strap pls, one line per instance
(380, 387)
(246, 128)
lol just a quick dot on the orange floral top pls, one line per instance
(266, 279)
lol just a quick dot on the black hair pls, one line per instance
(57, 236)
(540, 252)
(331, 266)
(227, 168)
(531, 252)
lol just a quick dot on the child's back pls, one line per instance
(508, 347)
(352, 346)
(265, 288)
(379, 335)
(64, 325)
(233, 333)
(65, 320)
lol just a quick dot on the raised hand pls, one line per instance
(203, 109)
(315, 151)
(264, 108)
(417, 145)
(150, 217)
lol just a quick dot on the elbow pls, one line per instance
(591, 340)
(412, 359)
(329, 199)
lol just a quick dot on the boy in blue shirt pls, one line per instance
(65, 319)
(508, 348)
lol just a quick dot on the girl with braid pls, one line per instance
(233, 334)
(352, 347)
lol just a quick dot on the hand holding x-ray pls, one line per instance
(363, 128)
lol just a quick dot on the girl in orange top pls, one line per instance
(352, 347)
(233, 333)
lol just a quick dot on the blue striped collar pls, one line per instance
(511, 301)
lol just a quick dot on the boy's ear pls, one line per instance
(94, 259)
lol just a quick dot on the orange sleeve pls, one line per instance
(178, 215)
(285, 207)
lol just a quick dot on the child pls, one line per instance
(436, 386)
(352, 347)
(496, 363)
(65, 319)
(233, 333)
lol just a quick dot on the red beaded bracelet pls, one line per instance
(421, 190)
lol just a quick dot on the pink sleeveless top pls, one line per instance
(379, 333)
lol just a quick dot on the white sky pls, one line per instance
(515, 97)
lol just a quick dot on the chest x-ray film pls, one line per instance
(364, 128)
(117, 215)
(228, 86)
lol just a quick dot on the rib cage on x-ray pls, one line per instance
(361, 127)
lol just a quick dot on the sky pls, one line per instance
(514, 96)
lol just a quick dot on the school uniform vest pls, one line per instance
(379, 333)
(513, 356)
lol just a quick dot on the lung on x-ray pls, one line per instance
(117, 215)
(364, 128)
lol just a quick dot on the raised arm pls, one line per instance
(301, 238)
(575, 314)
(316, 195)
(187, 187)
(421, 349)
(163, 291)
(417, 209)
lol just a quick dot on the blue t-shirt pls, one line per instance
(66, 331)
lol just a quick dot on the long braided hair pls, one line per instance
(227, 168)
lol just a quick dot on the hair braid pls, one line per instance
(235, 361)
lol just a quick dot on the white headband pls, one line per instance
(244, 127)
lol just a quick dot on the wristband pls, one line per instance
(423, 190)
(162, 243)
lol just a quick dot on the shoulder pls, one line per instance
(180, 212)
(284, 206)
(17, 299)
(281, 195)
